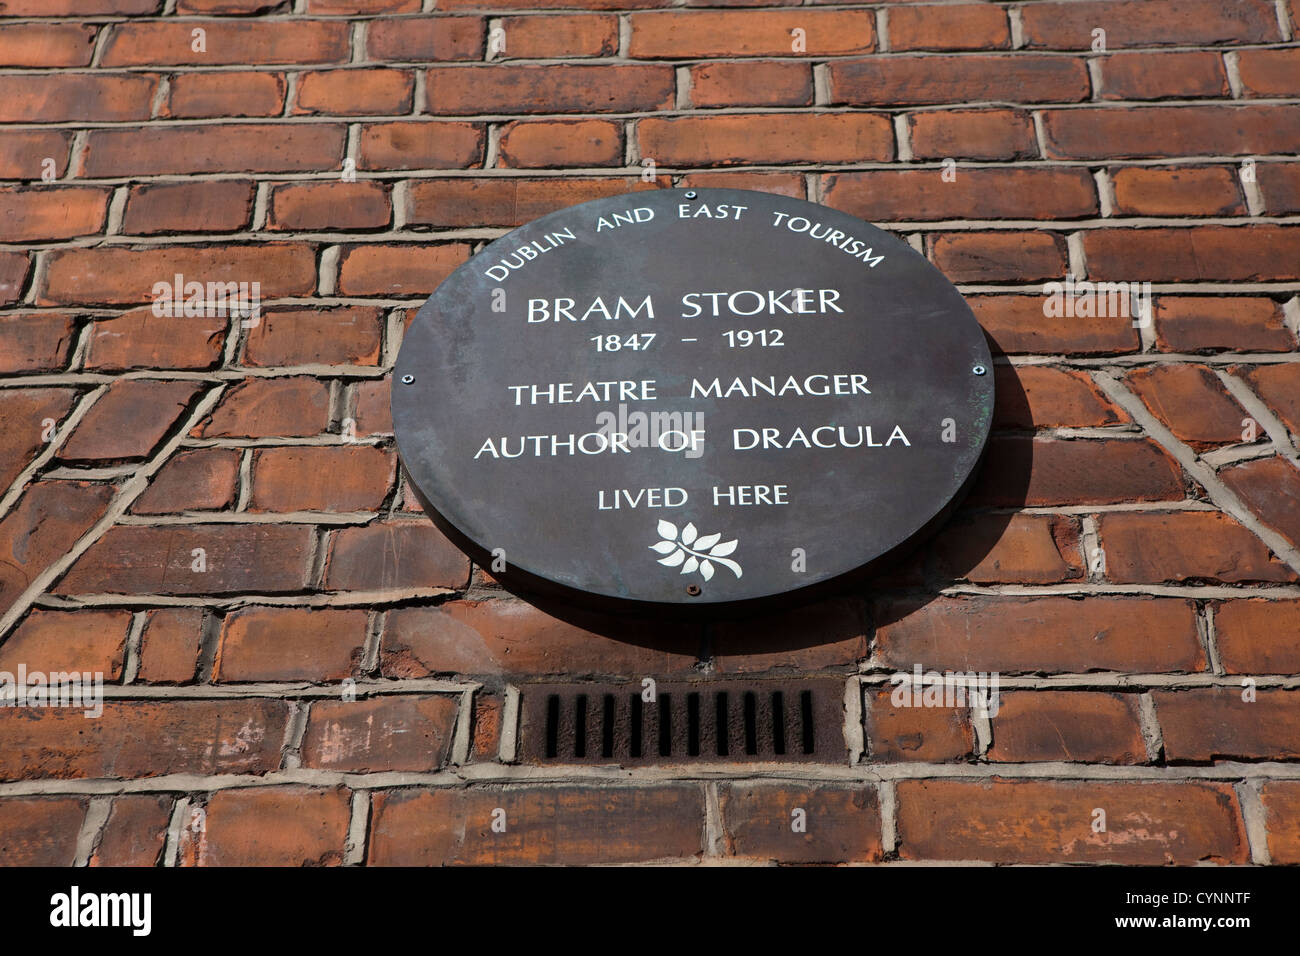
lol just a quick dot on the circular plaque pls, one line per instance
(676, 399)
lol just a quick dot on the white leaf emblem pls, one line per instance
(693, 551)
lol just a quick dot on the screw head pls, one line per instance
(408, 379)
(690, 194)
(979, 370)
(693, 590)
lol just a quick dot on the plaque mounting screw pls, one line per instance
(693, 590)
(408, 379)
(690, 194)
(979, 370)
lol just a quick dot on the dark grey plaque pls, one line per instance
(709, 398)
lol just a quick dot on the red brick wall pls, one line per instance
(1128, 559)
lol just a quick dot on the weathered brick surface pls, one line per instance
(275, 592)
(542, 825)
(1040, 821)
(269, 826)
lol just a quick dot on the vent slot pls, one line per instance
(776, 720)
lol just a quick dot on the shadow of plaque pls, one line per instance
(691, 404)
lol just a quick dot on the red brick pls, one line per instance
(135, 832)
(1154, 547)
(1270, 487)
(40, 831)
(270, 826)
(919, 195)
(553, 4)
(358, 92)
(425, 39)
(732, 139)
(298, 406)
(47, 45)
(1255, 636)
(23, 153)
(1016, 323)
(143, 739)
(331, 205)
(200, 479)
(213, 148)
(1035, 396)
(389, 555)
(372, 414)
(973, 134)
(1279, 387)
(680, 34)
(228, 43)
(767, 643)
(1009, 256)
(1009, 549)
(1069, 26)
(224, 205)
(128, 421)
(781, 184)
(170, 645)
(399, 269)
(14, 267)
(417, 145)
(1231, 254)
(1279, 185)
(1233, 324)
(345, 7)
(88, 641)
(840, 823)
(1074, 726)
(564, 35)
(385, 733)
(35, 342)
(508, 201)
(487, 727)
(116, 275)
(1051, 821)
(751, 83)
(348, 335)
(1281, 800)
(508, 637)
(63, 8)
(1214, 723)
(553, 88)
(139, 339)
(971, 26)
(1177, 191)
(1158, 76)
(1192, 401)
(1038, 472)
(907, 80)
(1149, 132)
(1048, 634)
(47, 97)
(1269, 72)
(930, 734)
(226, 6)
(224, 94)
(289, 644)
(321, 478)
(240, 558)
(544, 825)
(28, 417)
(541, 144)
